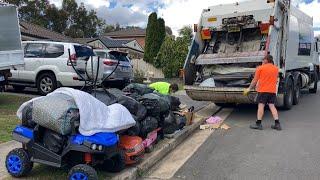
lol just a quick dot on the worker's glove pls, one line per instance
(246, 92)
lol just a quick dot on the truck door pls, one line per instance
(34, 52)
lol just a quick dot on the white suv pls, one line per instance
(47, 66)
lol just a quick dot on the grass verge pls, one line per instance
(8, 119)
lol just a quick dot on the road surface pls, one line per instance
(242, 153)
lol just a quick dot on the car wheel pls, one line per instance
(46, 83)
(82, 172)
(18, 88)
(18, 163)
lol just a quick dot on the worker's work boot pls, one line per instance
(257, 126)
(276, 126)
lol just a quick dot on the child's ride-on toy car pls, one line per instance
(41, 145)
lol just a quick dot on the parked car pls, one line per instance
(115, 77)
(47, 66)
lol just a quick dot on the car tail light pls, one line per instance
(72, 59)
(109, 62)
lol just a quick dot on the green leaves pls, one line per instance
(156, 33)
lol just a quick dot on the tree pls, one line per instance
(168, 30)
(57, 19)
(151, 38)
(173, 53)
(186, 32)
(156, 34)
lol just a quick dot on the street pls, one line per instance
(242, 153)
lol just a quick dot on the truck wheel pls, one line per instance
(82, 172)
(117, 163)
(18, 163)
(18, 88)
(288, 96)
(315, 87)
(46, 83)
(297, 93)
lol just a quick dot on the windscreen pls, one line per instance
(119, 56)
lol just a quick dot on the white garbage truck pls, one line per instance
(231, 40)
(11, 54)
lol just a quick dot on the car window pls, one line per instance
(83, 51)
(34, 50)
(119, 56)
(53, 50)
(101, 54)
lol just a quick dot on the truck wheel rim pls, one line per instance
(79, 176)
(14, 164)
(46, 84)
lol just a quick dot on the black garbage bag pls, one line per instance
(148, 125)
(181, 121)
(152, 106)
(141, 113)
(131, 104)
(169, 124)
(53, 141)
(115, 92)
(174, 103)
(105, 97)
(162, 102)
(135, 96)
(135, 130)
(140, 89)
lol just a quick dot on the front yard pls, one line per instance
(9, 105)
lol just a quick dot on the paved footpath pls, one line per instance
(242, 153)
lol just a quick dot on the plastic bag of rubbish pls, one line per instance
(140, 89)
(163, 103)
(134, 130)
(148, 125)
(105, 97)
(174, 103)
(152, 106)
(115, 92)
(181, 121)
(53, 141)
(141, 112)
(169, 124)
(131, 104)
(208, 83)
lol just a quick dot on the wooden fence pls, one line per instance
(148, 69)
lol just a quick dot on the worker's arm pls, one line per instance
(253, 82)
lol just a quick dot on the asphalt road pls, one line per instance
(242, 153)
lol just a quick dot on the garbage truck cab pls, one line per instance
(231, 41)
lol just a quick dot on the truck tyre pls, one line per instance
(314, 89)
(18, 88)
(297, 92)
(288, 95)
(83, 171)
(46, 83)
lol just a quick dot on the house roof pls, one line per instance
(29, 29)
(85, 40)
(114, 43)
(127, 32)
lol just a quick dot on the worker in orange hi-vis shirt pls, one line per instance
(266, 78)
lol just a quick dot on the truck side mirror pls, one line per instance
(195, 28)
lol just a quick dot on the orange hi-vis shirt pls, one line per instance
(267, 76)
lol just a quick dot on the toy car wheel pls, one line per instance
(149, 149)
(117, 163)
(82, 172)
(18, 163)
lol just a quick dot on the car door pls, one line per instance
(16, 70)
(33, 57)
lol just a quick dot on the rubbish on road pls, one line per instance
(133, 148)
(169, 124)
(208, 83)
(214, 120)
(209, 126)
(136, 88)
(225, 127)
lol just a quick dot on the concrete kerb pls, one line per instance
(165, 147)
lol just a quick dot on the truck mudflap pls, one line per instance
(224, 95)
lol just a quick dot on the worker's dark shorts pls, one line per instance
(267, 98)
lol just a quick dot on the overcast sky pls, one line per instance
(176, 13)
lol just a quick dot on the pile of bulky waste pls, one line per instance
(137, 114)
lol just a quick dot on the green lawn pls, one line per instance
(9, 105)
